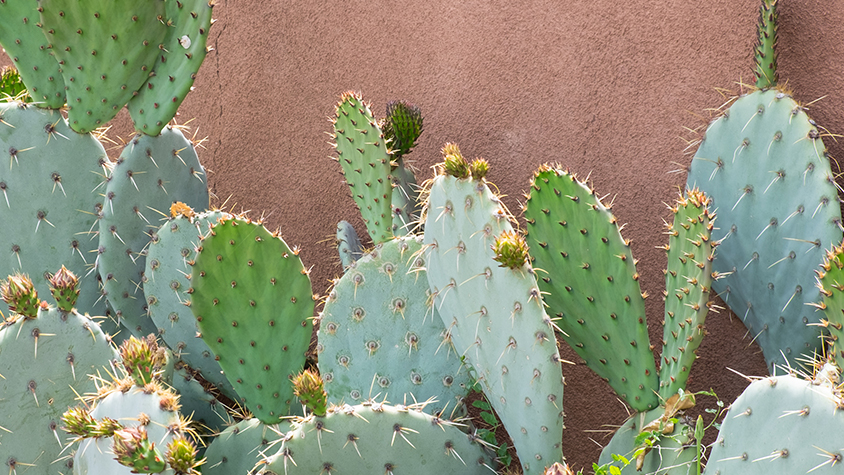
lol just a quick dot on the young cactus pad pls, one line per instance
(381, 335)
(362, 153)
(106, 51)
(167, 270)
(765, 167)
(24, 42)
(45, 363)
(252, 300)
(495, 316)
(781, 424)
(150, 174)
(50, 187)
(377, 438)
(688, 279)
(589, 281)
(175, 70)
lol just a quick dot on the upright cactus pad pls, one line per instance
(166, 291)
(23, 39)
(781, 424)
(151, 174)
(405, 200)
(50, 184)
(830, 282)
(252, 299)
(688, 279)
(376, 438)
(45, 363)
(381, 335)
(589, 281)
(765, 52)
(766, 169)
(494, 315)
(239, 448)
(106, 51)
(178, 62)
(363, 155)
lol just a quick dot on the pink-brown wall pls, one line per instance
(602, 87)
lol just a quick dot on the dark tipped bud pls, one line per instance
(19, 293)
(142, 359)
(64, 286)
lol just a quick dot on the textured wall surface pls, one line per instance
(602, 87)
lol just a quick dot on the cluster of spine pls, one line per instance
(47, 355)
(494, 314)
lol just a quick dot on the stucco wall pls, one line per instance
(600, 86)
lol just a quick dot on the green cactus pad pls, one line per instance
(495, 316)
(781, 424)
(130, 408)
(252, 300)
(151, 174)
(765, 168)
(179, 60)
(106, 51)
(348, 244)
(765, 52)
(405, 201)
(589, 281)
(239, 448)
(830, 282)
(45, 363)
(362, 153)
(165, 289)
(688, 279)
(674, 454)
(23, 39)
(380, 334)
(50, 188)
(375, 439)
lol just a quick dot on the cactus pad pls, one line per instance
(252, 300)
(106, 51)
(766, 169)
(590, 283)
(380, 334)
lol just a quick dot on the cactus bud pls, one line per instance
(479, 168)
(402, 126)
(64, 286)
(133, 449)
(181, 455)
(558, 469)
(308, 386)
(180, 209)
(510, 249)
(455, 164)
(78, 421)
(19, 293)
(142, 359)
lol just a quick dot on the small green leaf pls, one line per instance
(489, 418)
(482, 405)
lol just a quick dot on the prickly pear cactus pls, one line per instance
(688, 279)
(365, 160)
(765, 52)
(494, 315)
(48, 191)
(830, 282)
(106, 51)
(590, 283)
(380, 334)
(376, 438)
(167, 270)
(766, 169)
(349, 246)
(150, 175)
(23, 39)
(252, 300)
(782, 424)
(178, 61)
(45, 363)
(239, 447)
